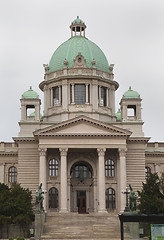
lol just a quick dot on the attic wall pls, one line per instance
(135, 162)
(28, 166)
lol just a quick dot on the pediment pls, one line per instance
(82, 126)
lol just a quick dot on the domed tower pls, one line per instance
(30, 113)
(130, 114)
(78, 80)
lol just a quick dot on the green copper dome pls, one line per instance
(30, 94)
(131, 94)
(77, 20)
(71, 48)
(32, 115)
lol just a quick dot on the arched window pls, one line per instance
(147, 172)
(12, 175)
(53, 168)
(53, 198)
(109, 168)
(81, 171)
(110, 198)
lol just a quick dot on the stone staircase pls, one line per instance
(81, 226)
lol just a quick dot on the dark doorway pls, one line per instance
(81, 201)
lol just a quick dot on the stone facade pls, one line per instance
(83, 154)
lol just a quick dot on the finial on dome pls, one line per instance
(78, 28)
(130, 88)
(30, 88)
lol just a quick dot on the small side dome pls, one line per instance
(32, 115)
(118, 115)
(78, 20)
(131, 94)
(30, 94)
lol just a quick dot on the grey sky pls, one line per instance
(130, 33)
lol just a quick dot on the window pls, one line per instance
(147, 172)
(53, 168)
(81, 171)
(53, 198)
(57, 96)
(102, 91)
(110, 198)
(79, 92)
(109, 168)
(12, 175)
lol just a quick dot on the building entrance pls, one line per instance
(81, 201)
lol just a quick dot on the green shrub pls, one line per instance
(11, 238)
(20, 238)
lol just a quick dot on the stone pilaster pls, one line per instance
(63, 180)
(123, 181)
(42, 174)
(101, 179)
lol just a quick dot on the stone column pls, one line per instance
(42, 175)
(63, 180)
(73, 94)
(107, 97)
(86, 89)
(99, 96)
(101, 179)
(59, 95)
(123, 182)
(2, 173)
(51, 97)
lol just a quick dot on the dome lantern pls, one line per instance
(78, 28)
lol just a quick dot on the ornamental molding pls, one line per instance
(122, 152)
(63, 151)
(42, 151)
(138, 140)
(82, 126)
(154, 153)
(101, 151)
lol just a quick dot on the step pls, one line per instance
(77, 226)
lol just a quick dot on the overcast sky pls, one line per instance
(130, 33)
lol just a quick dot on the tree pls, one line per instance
(151, 200)
(15, 205)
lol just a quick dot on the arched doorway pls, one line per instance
(81, 179)
(53, 198)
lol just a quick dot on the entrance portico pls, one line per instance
(87, 151)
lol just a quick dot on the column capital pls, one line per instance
(63, 151)
(122, 152)
(101, 151)
(42, 151)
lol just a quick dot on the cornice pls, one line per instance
(154, 153)
(138, 139)
(24, 139)
(7, 153)
(79, 76)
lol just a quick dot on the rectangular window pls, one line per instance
(56, 96)
(103, 96)
(80, 93)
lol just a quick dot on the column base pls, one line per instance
(63, 211)
(102, 211)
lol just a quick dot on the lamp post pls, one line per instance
(127, 205)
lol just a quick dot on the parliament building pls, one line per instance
(82, 150)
